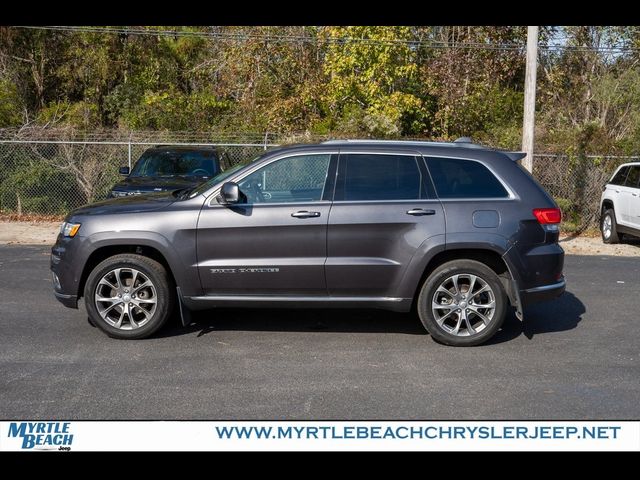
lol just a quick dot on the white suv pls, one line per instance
(620, 204)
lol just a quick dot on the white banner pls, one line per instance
(319, 435)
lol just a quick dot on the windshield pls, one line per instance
(168, 163)
(220, 177)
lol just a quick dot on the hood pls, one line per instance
(129, 204)
(158, 184)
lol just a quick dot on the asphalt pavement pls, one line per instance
(577, 357)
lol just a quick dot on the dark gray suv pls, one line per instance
(456, 231)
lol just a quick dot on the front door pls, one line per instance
(275, 242)
(383, 210)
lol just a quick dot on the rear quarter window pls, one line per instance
(457, 178)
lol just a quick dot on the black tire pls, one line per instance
(161, 290)
(614, 236)
(466, 269)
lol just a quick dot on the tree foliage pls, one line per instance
(384, 81)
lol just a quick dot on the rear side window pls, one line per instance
(618, 178)
(633, 177)
(379, 177)
(456, 178)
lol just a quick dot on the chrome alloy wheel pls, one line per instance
(126, 299)
(463, 305)
(607, 226)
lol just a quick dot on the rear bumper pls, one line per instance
(544, 292)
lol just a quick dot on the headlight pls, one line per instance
(69, 229)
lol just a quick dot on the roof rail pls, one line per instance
(460, 142)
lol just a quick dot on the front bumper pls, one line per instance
(544, 292)
(70, 301)
(66, 268)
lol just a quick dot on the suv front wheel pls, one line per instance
(129, 296)
(462, 303)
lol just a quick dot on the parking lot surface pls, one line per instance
(574, 358)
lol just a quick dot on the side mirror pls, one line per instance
(123, 170)
(230, 193)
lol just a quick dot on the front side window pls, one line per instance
(296, 179)
(456, 178)
(633, 178)
(619, 178)
(379, 177)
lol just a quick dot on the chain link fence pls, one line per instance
(576, 184)
(52, 177)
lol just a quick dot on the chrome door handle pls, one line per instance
(420, 211)
(305, 214)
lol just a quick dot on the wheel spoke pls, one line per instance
(145, 300)
(461, 317)
(132, 321)
(467, 324)
(491, 304)
(116, 274)
(472, 284)
(437, 305)
(118, 324)
(107, 283)
(144, 284)
(483, 289)
(484, 319)
(443, 318)
(454, 280)
(441, 289)
(139, 308)
(109, 308)
(108, 299)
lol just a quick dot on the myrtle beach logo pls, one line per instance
(42, 435)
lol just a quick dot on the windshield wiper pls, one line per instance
(182, 192)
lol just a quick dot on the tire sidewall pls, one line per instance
(613, 237)
(158, 280)
(435, 280)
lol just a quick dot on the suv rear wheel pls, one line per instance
(462, 303)
(608, 227)
(129, 296)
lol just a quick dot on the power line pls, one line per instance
(435, 44)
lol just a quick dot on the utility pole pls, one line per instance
(528, 123)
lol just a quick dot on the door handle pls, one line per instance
(420, 211)
(634, 194)
(305, 214)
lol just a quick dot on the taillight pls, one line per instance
(548, 216)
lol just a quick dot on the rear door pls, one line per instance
(383, 210)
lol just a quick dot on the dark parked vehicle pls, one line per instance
(457, 231)
(168, 168)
